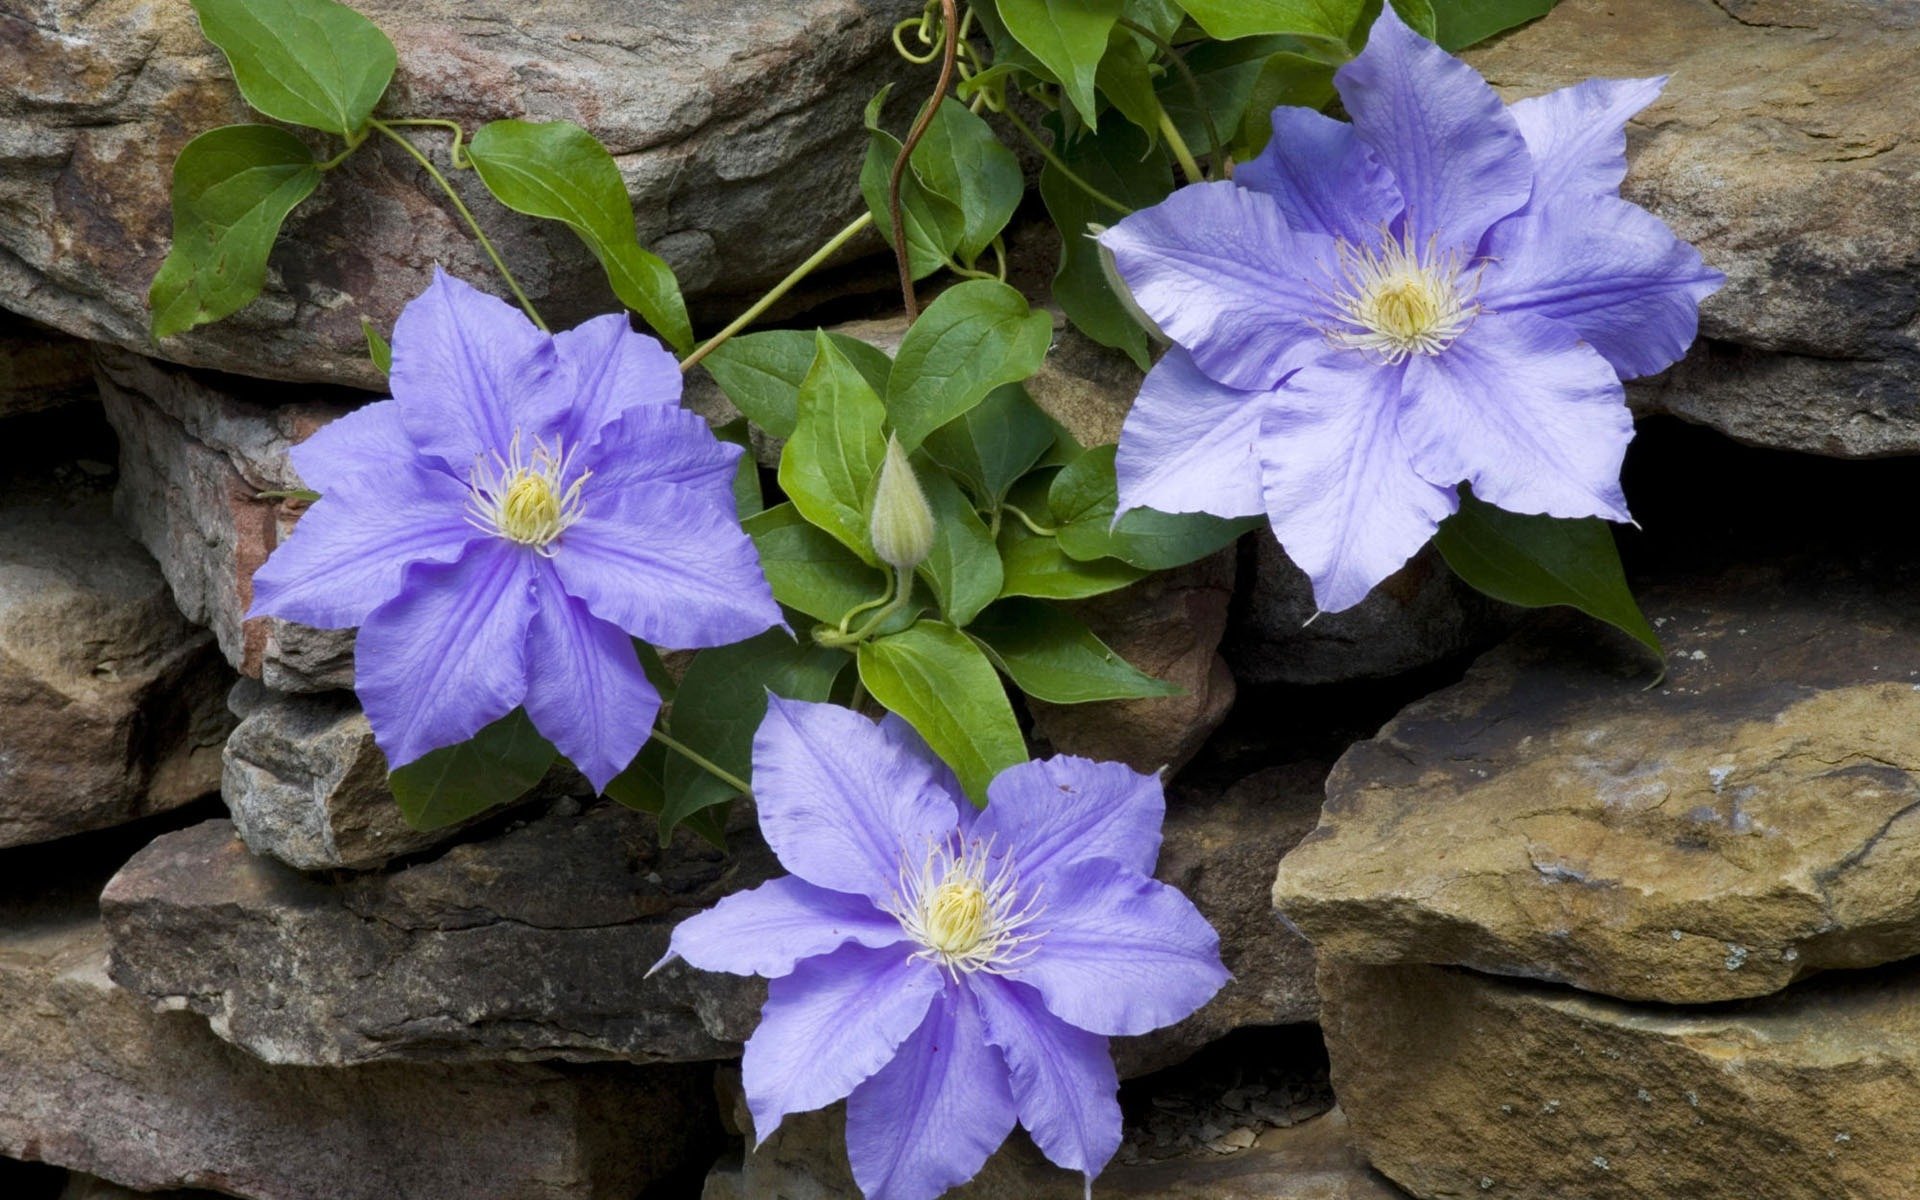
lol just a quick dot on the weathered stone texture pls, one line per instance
(40, 369)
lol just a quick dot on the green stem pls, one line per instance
(1055, 161)
(1178, 145)
(876, 602)
(704, 763)
(1029, 522)
(466, 215)
(780, 289)
(859, 696)
(456, 154)
(902, 593)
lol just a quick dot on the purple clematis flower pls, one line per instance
(502, 528)
(949, 972)
(1448, 290)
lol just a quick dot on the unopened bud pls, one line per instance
(902, 524)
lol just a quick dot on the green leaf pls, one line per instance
(1418, 14)
(993, 443)
(964, 568)
(1083, 498)
(1461, 23)
(1126, 79)
(1538, 561)
(377, 348)
(747, 499)
(1230, 74)
(961, 159)
(1225, 20)
(808, 569)
(829, 465)
(559, 172)
(1285, 79)
(308, 62)
(1162, 16)
(976, 336)
(933, 223)
(940, 683)
(1035, 565)
(762, 372)
(1051, 656)
(1069, 36)
(642, 787)
(499, 764)
(232, 188)
(719, 706)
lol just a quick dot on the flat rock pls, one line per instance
(737, 127)
(532, 944)
(1459, 1084)
(97, 1081)
(109, 699)
(1784, 148)
(1754, 819)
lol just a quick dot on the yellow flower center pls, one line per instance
(525, 497)
(957, 917)
(531, 511)
(962, 904)
(1395, 302)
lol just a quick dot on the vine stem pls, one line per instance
(703, 762)
(950, 18)
(1193, 85)
(466, 214)
(1055, 161)
(1178, 145)
(780, 289)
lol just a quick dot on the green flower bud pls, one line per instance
(902, 526)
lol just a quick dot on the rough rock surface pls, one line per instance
(95, 1080)
(109, 700)
(737, 128)
(40, 369)
(1755, 818)
(1460, 1084)
(1783, 147)
(529, 945)
(196, 452)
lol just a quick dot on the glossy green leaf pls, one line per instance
(1083, 498)
(499, 764)
(1050, 655)
(1127, 81)
(976, 336)
(232, 189)
(559, 172)
(642, 787)
(377, 348)
(308, 62)
(940, 683)
(1070, 37)
(762, 372)
(1240, 84)
(964, 568)
(829, 465)
(1164, 17)
(962, 159)
(1035, 565)
(1461, 23)
(747, 498)
(809, 570)
(1225, 20)
(1288, 80)
(1538, 561)
(993, 443)
(934, 225)
(1418, 14)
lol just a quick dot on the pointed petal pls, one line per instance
(1454, 150)
(1215, 266)
(1524, 411)
(661, 444)
(349, 553)
(586, 691)
(840, 802)
(1063, 1078)
(1052, 812)
(1611, 270)
(1578, 136)
(468, 370)
(930, 1120)
(829, 1025)
(665, 564)
(370, 438)
(1190, 444)
(769, 930)
(605, 371)
(1341, 490)
(449, 654)
(1325, 178)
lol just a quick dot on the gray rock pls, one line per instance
(97, 1081)
(534, 944)
(109, 700)
(40, 369)
(736, 126)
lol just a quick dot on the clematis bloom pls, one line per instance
(501, 530)
(949, 972)
(1447, 290)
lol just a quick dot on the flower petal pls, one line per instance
(1453, 148)
(1578, 136)
(908, 739)
(1611, 270)
(370, 438)
(1063, 1078)
(1215, 266)
(468, 370)
(1524, 411)
(664, 563)
(349, 553)
(1122, 953)
(769, 930)
(934, 1115)
(1341, 490)
(586, 690)
(606, 371)
(448, 655)
(1050, 813)
(1325, 178)
(830, 1024)
(840, 802)
(1190, 444)
(663, 445)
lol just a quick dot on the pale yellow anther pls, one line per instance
(963, 905)
(531, 511)
(1396, 301)
(957, 917)
(525, 498)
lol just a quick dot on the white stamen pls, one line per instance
(1395, 301)
(526, 498)
(963, 907)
